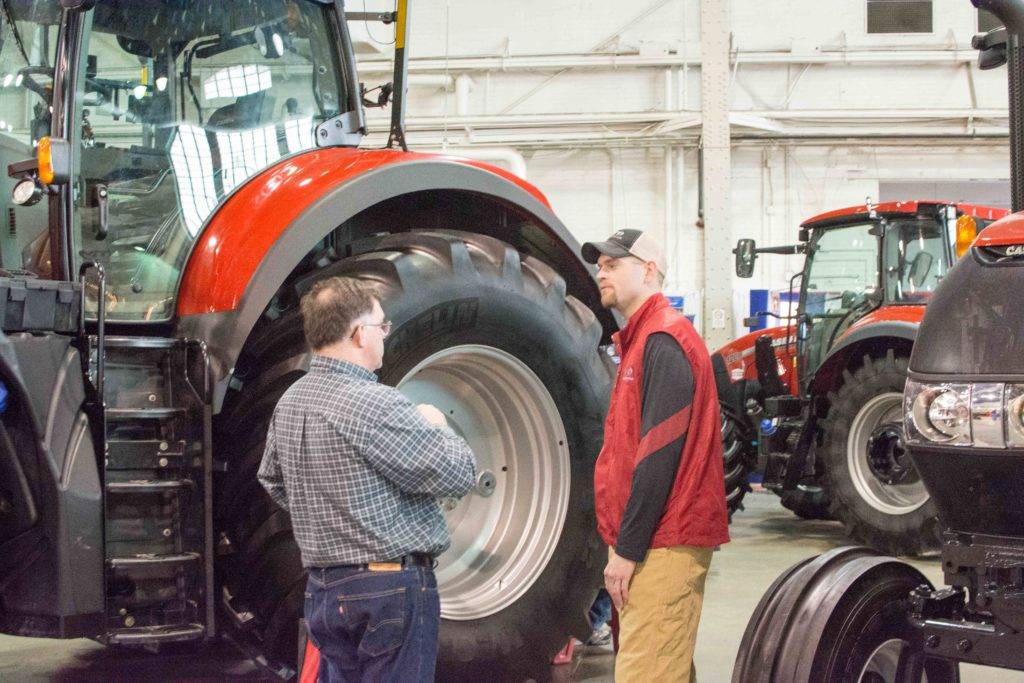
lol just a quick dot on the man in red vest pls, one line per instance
(658, 483)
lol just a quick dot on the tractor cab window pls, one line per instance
(842, 269)
(840, 277)
(916, 259)
(28, 43)
(182, 102)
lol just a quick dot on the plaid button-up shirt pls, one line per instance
(359, 469)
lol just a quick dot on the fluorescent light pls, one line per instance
(237, 81)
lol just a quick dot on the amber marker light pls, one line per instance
(966, 231)
(44, 155)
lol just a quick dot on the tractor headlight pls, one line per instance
(979, 414)
(1015, 415)
(939, 413)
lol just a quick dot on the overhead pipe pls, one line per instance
(444, 81)
(506, 155)
(634, 60)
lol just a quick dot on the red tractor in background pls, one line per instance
(815, 404)
(179, 174)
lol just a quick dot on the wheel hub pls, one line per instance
(887, 458)
(882, 472)
(505, 530)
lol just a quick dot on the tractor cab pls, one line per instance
(865, 258)
(165, 108)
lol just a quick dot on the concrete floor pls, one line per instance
(766, 540)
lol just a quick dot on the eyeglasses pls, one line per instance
(385, 328)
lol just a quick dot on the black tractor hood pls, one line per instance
(974, 323)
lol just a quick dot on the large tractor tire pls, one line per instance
(492, 339)
(736, 448)
(838, 617)
(875, 489)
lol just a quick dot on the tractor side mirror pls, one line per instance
(920, 267)
(991, 48)
(803, 328)
(746, 255)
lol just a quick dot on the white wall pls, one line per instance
(825, 110)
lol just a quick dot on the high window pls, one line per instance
(899, 16)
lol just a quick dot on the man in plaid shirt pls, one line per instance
(360, 469)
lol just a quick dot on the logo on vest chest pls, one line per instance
(628, 375)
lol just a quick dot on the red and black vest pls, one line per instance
(695, 513)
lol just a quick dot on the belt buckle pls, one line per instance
(384, 566)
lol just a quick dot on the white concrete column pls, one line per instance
(717, 171)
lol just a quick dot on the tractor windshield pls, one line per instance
(916, 258)
(840, 276)
(28, 43)
(179, 103)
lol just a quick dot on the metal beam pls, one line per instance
(716, 171)
(633, 60)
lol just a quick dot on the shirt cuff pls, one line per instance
(631, 554)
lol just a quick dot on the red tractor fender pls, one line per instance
(888, 327)
(739, 355)
(1004, 232)
(261, 232)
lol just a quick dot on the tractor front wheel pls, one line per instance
(874, 487)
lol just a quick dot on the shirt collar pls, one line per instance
(654, 303)
(325, 364)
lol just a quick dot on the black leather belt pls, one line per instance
(404, 562)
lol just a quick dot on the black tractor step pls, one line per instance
(144, 455)
(150, 635)
(146, 561)
(149, 485)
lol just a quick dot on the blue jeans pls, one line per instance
(373, 626)
(601, 611)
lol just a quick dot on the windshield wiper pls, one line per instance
(6, 4)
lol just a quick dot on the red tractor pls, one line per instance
(814, 404)
(179, 174)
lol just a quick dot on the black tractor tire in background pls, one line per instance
(896, 520)
(737, 452)
(444, 290)
(840, 616)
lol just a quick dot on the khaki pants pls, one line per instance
(658, 625)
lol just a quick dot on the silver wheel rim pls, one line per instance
(891, 499)
(504, 536)
(883, 662)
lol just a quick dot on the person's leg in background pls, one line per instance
(600, 615)
(658, 625)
